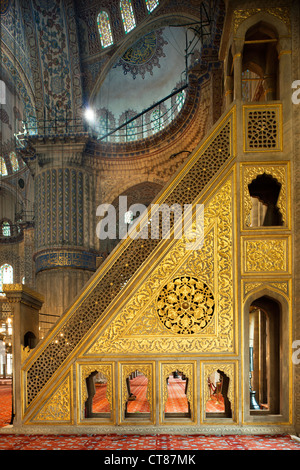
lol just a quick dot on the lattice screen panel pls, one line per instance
(262, 127)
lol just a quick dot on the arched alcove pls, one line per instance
(260, 39)
(266, 356)
(30, 340)
(260, 60)
(97, 405)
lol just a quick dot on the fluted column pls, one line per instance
(64, 224)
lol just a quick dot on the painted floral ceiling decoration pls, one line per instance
(140, 58)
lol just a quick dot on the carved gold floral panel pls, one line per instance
(240, 15)
(280, 172)
(268, 255)
(58, 406)
(201, 322)
(283, 287)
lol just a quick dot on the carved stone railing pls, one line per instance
(112, 280)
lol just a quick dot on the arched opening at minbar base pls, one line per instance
(97, 404)
(137, 405)
(218, 404)
(177, 404)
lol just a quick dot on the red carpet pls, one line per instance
(5, 405)
(215, 405)
(177, 400)
(138, 387)
(100, 402)
(133, 442)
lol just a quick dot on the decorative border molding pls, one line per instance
(65, 259)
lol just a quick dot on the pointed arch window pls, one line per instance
(151, 5)
(127, 15)
(3, 168)
(6, 230)
(14, 161)
(180, 100)
(104, 29)
(157, 122)
(6, 276)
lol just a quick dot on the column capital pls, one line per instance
(20, 293)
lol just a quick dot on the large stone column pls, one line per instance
(64, 224)
(25, 306)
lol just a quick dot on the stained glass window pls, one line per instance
(6, 275)
(6, 232)
(3, 169)
(104, 29)
(151, 5)
(156, 121)
(127, 15)
(180, 100)
(130, 131)
(14, 161)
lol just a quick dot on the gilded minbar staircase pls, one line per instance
(129, 317)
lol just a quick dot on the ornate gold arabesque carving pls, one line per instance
(58, 407)
(250, 173)
(137, 329)
(265, 256)
(281, 13)
(279, 286)
(148, 322)
(185, 305)
(125, 262)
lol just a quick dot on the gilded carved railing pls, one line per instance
(126, 261)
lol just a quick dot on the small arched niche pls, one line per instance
(137, 404)
(218, 404)
(97, 404)
(177, 404)
(264, 193)
(30, 340)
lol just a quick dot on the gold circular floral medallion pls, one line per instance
(185, 305)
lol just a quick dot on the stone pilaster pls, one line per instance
(25, 306)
